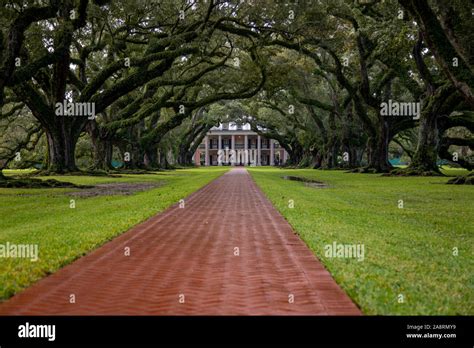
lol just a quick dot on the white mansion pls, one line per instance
(233, 144)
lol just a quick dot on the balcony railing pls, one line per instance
(239, 146)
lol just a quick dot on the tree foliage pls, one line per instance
(311, 74)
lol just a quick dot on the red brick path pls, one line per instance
(190, 251)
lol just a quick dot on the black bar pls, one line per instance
(224, 330)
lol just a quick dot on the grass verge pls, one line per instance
(408, 251)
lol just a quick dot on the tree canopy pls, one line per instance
(339, 84)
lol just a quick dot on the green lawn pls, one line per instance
(408, 251)
(44, 217)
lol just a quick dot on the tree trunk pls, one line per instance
(377, 154)
(151, 157)
(429, 134)
(295, 152)
(317, 160)
(163, 160)
(378, 162)
(102, 148)
(61, 149)
(102, 154)
(331, 155)
(356, 155)
(137, 157)
(185, 158)
(426, 154)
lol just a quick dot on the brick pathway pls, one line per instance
(189, 254)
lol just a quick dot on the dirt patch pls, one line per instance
(77, 173)
(307, 182)
(38, 183)
(125, 188)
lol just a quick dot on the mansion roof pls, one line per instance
(232, 128)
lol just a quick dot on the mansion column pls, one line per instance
(259, 151)
(206, 144)
(232, 147)
(219, 150)
(246, 154)
(272, 153)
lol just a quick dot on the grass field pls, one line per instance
(63, 234)
(407, 251)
